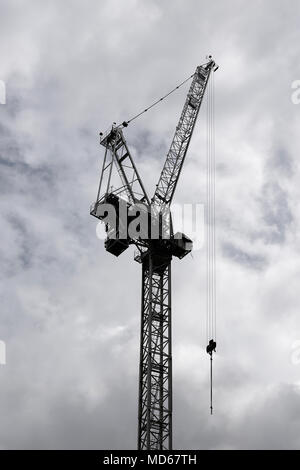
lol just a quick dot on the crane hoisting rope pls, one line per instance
(211, 332)
(125, 123)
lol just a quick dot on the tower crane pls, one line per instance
(122, 203)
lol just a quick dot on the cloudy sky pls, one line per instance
(69, 311)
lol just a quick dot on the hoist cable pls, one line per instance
(125, 123)
(207, 217)
(210, 225)
(211, 241)
(214, 208)
(211, 386)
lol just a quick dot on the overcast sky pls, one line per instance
(69, 311)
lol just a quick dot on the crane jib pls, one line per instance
(175, 158)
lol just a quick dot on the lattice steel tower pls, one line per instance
(125, 209)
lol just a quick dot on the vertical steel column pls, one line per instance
(170, 383)
(155, 383)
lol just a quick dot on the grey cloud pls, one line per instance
(249, 260)
(281, 162)
(276, 212)
(69, 311)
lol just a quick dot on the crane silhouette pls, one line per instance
(122, 204)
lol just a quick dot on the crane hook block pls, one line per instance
(211, 347)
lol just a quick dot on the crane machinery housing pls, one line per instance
(121, 193)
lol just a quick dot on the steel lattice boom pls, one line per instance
(170, 174)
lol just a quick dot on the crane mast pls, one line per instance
(155, 255)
